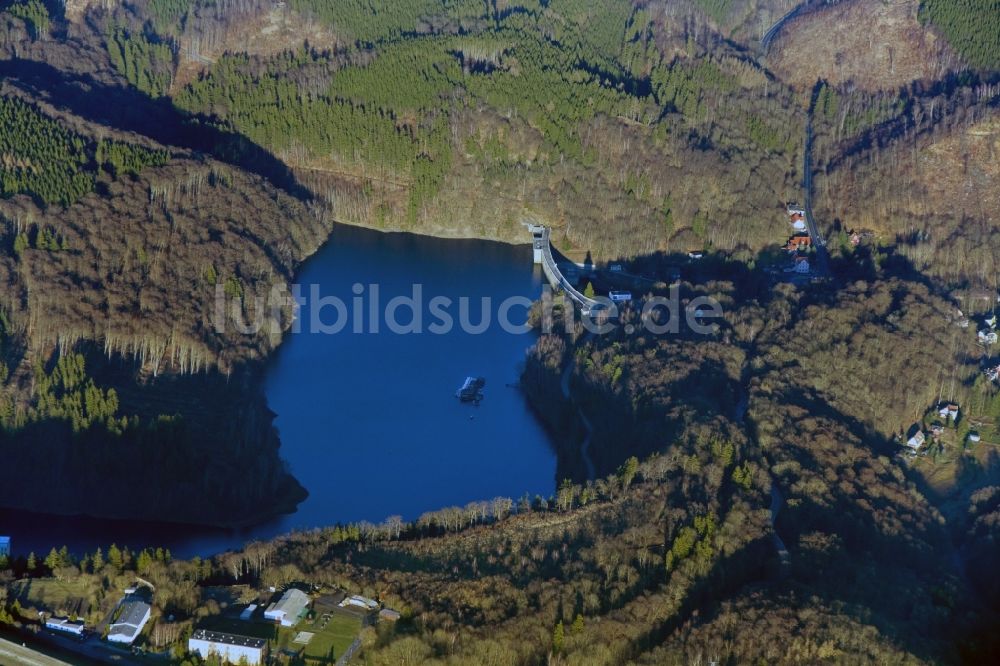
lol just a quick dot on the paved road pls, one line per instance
(769, 36)
(776, 501)
(12, 653)
(819, 243)
(557, 279)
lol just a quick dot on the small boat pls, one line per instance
(471, 390)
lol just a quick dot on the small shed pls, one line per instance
(389, 615)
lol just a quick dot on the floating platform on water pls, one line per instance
(471, 390)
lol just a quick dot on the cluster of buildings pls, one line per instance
(130, 617)
(947, 412)
(800, 243)
(288, 610)
(133, 613)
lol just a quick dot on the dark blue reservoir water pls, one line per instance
(369, 421)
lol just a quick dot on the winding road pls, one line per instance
(769, 36)
(776, 502)
(818, 242)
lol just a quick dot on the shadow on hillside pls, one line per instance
(128, 109)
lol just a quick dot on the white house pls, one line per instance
(65, 625)
(916, 441)
(230, 648)
(974, 437)
(289, 608)
(947, 411)
(132, 616)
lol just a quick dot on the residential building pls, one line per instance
(916, 441)
(132, 616)
(993, 373)
(974, 437)
(230, 648)
(948, 411)
(389, 615)
(65, 625)
(289, 608)
(797, 243)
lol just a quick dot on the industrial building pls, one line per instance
(133, 614)
(65, 625)
(230, 648)
(289, 608)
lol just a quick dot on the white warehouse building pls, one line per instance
(289, 608)
(230, 648)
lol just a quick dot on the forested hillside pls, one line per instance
(464, 118)
(972, 26)
(111, 247)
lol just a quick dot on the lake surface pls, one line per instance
(369, 421)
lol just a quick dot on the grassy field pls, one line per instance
(55, 596)
(330, 638)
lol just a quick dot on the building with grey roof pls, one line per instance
(230, 648)
(132, 615)
(289, 608)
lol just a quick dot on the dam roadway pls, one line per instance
(544, 256)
